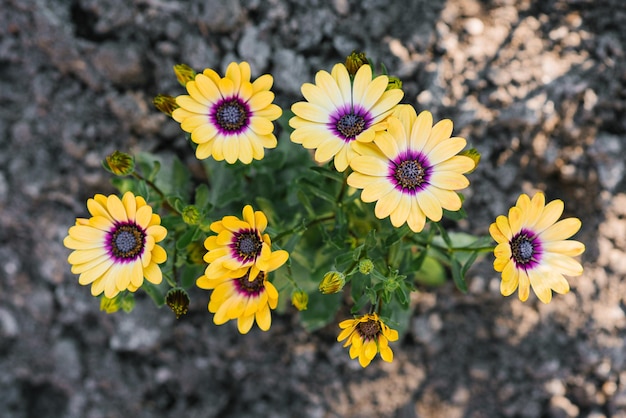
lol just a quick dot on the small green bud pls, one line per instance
(300, 299)
(166, 104)
(332, 282)
(354, 61)
(184, 74)
(191, 215)
(196, 252)
(178, 301)
(119, 163)
(394, 83)
(474, 155)
(109, 305)
(366, 266)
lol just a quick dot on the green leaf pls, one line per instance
(186, 238)
(432, 272)
(155, 292)
(321, 310)
(326, 172)
(457, 276)
(189, 275)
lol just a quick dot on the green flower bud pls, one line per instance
(178, 301)
(300, 299)
(332, 282)
(166, 104)
(354, 61)
(184, 74)
(394, 83)
(119, 163)
(109, 305)
(366, 266)
(474, 155)
(191, 215)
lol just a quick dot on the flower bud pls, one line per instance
(474, 155)
(354, 61)
(119, 163)
(332, 282)
(178, 301)
(184, 74)
(166, 104)
(109, 305)
(191, 215)
(366, 266)
(394, 83)
(196, 252)
(300, 299)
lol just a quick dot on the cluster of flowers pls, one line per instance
(409, 166)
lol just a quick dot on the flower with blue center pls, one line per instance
(116, 248)
(230, 118)
(340, 111)
(534, 250)
(413, 171)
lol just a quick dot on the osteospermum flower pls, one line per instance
(415, 171)
(229, 117)
(533, 248)
(366, 336)
(246, 297)
(239, 244)
(116, 248)
(340, 111)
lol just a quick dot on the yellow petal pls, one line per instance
(416, 219)
(387, 204)
(421, 131)
(399, 216)
(565, 247)
(449, 180)
(561, 230)
(446, 149)
(310, 112)
(369, 165)
(430, 205)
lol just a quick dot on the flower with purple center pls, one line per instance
(367, 336)
(116, 248)
(533, 248)
(340, 111)
(413, 171)
(230, 118)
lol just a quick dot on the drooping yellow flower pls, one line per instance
(414, 172)
(246, 297)
(366, 336)
(230, 118)
(240, 244)
(340, 111)
(116, 248)
(533, 248)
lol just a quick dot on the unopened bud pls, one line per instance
(119, 163)
(394, 83)
(366, 266)
(191, 215)
(184, 74)
(111, 305)
(178, 301)
(166, 104)
(332, 282)
(354, 61)
(300, 299)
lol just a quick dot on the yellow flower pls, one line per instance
(246, 297)
(414, 170)
(229, 117)
(366, 336)
(116, 248)
(239, 245)
(340, 111)
(300, 299)
(533, 248)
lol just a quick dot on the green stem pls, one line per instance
(308, 225)
(156, 188)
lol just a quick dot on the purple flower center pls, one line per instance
(246, 245)
(525, 249)
(410, 172)
(231, 116)
(126, 241)
(251, 288)
(348, 123)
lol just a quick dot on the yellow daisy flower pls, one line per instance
(116, 248)
(339, 111)
(246, 297)
(533, 248)
(229, 117)
(366, 336)
(238, 246)
(414, 172)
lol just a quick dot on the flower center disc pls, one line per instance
(524, 249)
(350, 125)
(410, 174)
(253, 287)
(127, 241)
(231, 115)
(369, 329)
(248, 245)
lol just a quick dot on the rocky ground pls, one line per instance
(539, 87)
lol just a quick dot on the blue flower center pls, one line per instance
(525, 249)
(231, 115)
(350, 125)
(247, 245)
(410, 174)
(127, 241)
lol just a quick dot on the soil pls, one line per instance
(538, 87)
